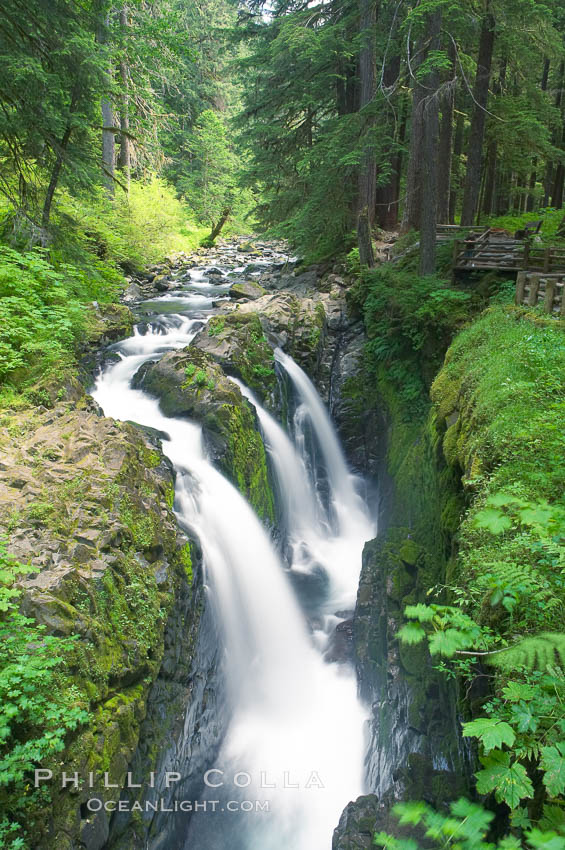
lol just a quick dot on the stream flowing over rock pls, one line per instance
(220, 616)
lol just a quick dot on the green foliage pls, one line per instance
(54, 78)
(464, 827)
(41, 312)
(133, 231)
(534, 653)
(210, 187)
(499, 384)
(37, 709)
(508, 779)
(409, 321)
(303, 140)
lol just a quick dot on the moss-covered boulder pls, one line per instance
(297, 324)
(190, 383)
(246, 289)
(88, 503)
(238, 343)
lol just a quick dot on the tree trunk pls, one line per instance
(490, 177)
(490, 183)
(124, 161)
(456, 168)
(108, 138)
(412, 205)
(367, 179)
(217, 229)
(387, 195)
(551, 169)
(445, 151)
(477, 131)
(55, 174)
(364, 240)
(502, 204)
(557, 192)
(530, 201)
(429, 198)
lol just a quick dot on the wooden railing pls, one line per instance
(493, 251)
(489, 252)
(449, 231)
(543, 259)
(533, 289)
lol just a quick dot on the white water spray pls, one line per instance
(291, 713)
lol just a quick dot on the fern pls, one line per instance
(510, 582)
(541, 652)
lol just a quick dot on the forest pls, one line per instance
(330, 233)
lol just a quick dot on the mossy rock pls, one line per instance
(238, 343)
(191, 384)
(94, 515)
(246, 289)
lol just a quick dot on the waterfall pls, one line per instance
(349, 509)
(295, 719)
(316, 544)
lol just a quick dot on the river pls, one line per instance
(293, 750)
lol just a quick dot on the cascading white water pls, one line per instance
(350, 510)
(293, 715)
(314, 542)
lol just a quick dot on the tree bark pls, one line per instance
(124, 161)
(412, 205)
(557, 192)
(490, 177)
(456, 168)
(367, 179)
(551, 169)
(387, 194)
(365, 240)
(108, 137)
(217, 229)
(55, 174)
(530, 201)
(477, 131)
(490, 182)
(445, 153)
(428, 214)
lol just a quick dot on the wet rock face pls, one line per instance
(190, 383)
(357, 825)
(88, 501)
(181, 732)
(415, 750)
(237, 342)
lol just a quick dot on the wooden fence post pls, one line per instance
(546, 259)
(550, 287)
(534, 287)
(520, 287)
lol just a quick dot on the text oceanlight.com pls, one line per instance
(96, 805)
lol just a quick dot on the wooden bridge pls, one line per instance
(495, 250)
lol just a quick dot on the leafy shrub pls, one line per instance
(409, 322)
(503, 381)
(41, 312)
(36, 711)
(132, 231)
(464, 827)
